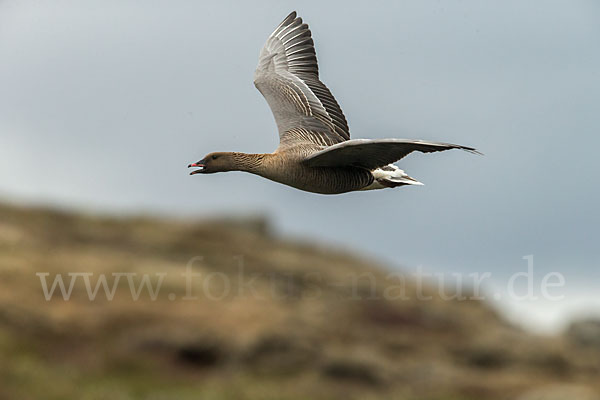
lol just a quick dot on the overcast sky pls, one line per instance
(104, 103)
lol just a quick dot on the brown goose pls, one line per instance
(315, 152)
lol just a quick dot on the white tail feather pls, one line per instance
(390, 176)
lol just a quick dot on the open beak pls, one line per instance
(199, 164)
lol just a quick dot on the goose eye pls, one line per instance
(214, 157)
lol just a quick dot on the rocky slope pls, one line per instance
(260, 318)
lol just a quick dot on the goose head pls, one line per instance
(214, 162)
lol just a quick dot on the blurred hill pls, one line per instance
(262, 318)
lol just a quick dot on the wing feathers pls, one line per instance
(372, 154)
(288, 77)
(291, 16)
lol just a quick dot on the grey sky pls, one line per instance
(103, 104)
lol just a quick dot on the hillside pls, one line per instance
(262, 318)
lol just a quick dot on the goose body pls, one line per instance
(315, 152)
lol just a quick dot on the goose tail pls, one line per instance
(391, 176)
(400, 181)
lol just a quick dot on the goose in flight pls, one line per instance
(315, 151)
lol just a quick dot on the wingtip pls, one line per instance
(286, 21)
(475, 151)
(471, 150)
(291, 16)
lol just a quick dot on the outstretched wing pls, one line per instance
(287, 75)
(372, 154)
